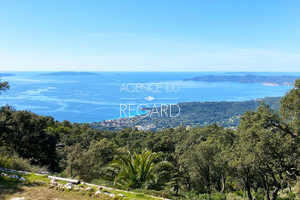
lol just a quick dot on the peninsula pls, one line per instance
(266, 80)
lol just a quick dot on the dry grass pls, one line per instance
(43, 193)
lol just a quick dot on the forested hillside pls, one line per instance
(259, 160)
(193, 114)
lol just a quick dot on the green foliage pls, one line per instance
(13, 161)
(192, 195)
(138, 170)
(266, 152)
(4, 86)
(89, 164)
(26, 134)
(232, 196)
(290, 108)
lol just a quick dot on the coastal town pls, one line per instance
(120, 123)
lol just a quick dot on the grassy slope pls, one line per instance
(32, 189)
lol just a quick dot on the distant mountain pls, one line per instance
(6, 74)
(68, 73)
(192, 114)
(268, 80)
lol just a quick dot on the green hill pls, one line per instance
(192, 114)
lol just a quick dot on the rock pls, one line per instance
(89, 189)
(98, 192)
(106, 193)
(53, 183)
(3, 174)
(69, 186)
(14, 176)
(112, 195)
(22, 179)
(121, 195)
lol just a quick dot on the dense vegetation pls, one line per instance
(259, 160)
(4, 86)
(279, 80)
(193, 114)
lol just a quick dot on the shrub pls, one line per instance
(13, 161)
(232, 196)
(162, 193)
(194, 196)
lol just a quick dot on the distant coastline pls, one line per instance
(282, 80)
(69, 73)
(271, 84)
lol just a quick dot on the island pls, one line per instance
(68, 73)
(6, 74)
(266, 80)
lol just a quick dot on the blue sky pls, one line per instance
(152, 35)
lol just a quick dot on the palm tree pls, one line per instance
(138, 170)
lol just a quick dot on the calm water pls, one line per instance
(98, 97)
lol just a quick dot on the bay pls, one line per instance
(90, 98)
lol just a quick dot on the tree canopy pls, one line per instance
(4, 86)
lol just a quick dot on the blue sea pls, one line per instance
(90, 98)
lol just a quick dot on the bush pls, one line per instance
(19, 163)
(4, 161)
(194, 196)
(296, 189)
(4, 157)
(287, 196)
(162, 193)
(232, 196)
(13, 161)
